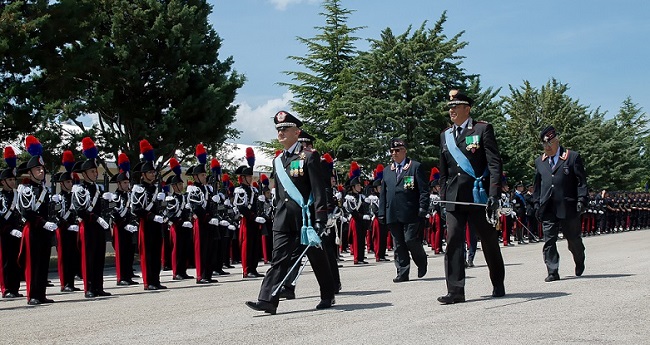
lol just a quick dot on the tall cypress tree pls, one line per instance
(319, 86)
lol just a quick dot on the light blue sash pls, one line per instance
(308, 235)
(480, 196)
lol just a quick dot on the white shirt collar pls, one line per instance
(464, 124)
(292, 149)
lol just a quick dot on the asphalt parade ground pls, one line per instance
(609, 304)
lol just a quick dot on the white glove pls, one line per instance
(338, 195)
(169, 198)
(349, 198)
(261, 198)
(187, 225)
(216, 198)
(227, 203)
(214, 221)
(16, 233)
(231, 227)
(74, 228)
(366, 217)
(260, 220)
(131, 228)
(158, 219)
(107, 196)
(49, 226)
(160, 196)
(224, 223)
(102, 223)
(55, 198)
(344, 219)
(427, 216)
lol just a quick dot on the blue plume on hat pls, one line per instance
(33, 146)
(215, 166)
(147, 150)
(68, 160)
(201, 154)
(10, 156)
(123, 162)
(89, 148)
(175, 166)
(250, 157)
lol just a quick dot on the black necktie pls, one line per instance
(552, 161)
(458, 130)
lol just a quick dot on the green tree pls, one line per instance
(399, 88)
(319, 86)
(144, 69)
(21, 23)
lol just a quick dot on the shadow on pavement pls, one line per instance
(598, 276)
(526, 296)
(363, 293)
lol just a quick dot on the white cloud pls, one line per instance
(282, 4)
(256, 124)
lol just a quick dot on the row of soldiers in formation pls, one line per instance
(207, 224)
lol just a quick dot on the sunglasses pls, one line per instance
(548, 143)
(395, 150)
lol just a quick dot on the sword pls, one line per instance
(493, 218)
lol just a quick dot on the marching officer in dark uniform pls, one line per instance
(403, 205)
(10, 229)
(87, 202)
(68, 233)
(355, 205)
(123, 224)
(560, 198)
(470, 171)
(531, 221)
(147, 204)
(33, 204)
(302, 173)
(519, 207)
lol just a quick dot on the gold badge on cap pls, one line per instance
(281, 116)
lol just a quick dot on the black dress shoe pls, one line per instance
(203, 281)
(469, 263)
(338, 289)
(287, 294)
(102, 293)
(33, 301)
(223, 273)
(229, 266)
(400, 279)
(89, 294)
(178, 277)
(250, 275)
(498, 291)
(135, 276)
(19, 294)
(422, 271)
(70, 289)
(9, 295)
(161, 287)
(262, 306)
(131, 282)
(123, 283)
(451, 299)
(47, 300)
(49, 284)
(258, 274)
(150, 287)
(580, 268)
(326, 303)
(552, 277)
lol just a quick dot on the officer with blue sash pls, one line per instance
(470, 171)
(299, 182)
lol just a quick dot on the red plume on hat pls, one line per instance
(89, 148)
(278, 152)
(255, 184)
(33, 146)
(147, 150)
(264, 180)
(123, 162)
(340, 188)
(329, 160)
(225, 178)
(355, 171)
(250, 157)
(175, 165)
(435, 174)
(201, 154)
(68, 160)
(379, 172)
(215, 166)
(10, 156)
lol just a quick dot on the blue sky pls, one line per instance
(599, 48)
